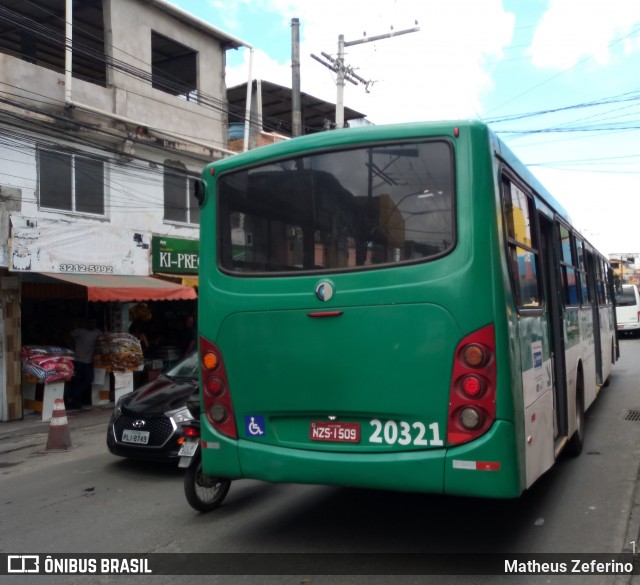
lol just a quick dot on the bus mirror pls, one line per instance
(199, 190)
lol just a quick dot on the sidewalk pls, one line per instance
(19, 434)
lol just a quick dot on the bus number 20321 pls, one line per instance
(404, 433)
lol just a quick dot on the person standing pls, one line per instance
(84, 342)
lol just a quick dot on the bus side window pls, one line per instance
(568, 267)
(523, 249)
(582, 273)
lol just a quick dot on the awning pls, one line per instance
(111, 287)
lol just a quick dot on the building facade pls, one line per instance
(625, 270)
(108, 111)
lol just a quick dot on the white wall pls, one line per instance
(134, 193)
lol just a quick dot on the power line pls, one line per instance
(553, 77)
(205, 101)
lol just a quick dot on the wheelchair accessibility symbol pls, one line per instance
(254, 426)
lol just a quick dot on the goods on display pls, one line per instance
(47, 363)
(120, 351)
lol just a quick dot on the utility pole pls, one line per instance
(345, 73)
(296, 101)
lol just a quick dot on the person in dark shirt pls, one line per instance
(84, 345)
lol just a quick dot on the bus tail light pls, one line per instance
(215, 385)
(472, 396)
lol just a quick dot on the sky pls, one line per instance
(557, 80)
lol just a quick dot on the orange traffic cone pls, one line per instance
(59, 437)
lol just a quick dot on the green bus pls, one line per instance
(397, 307)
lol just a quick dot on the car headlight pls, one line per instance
(180, 416)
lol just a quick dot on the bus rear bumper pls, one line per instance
(485, 468)
(628, 326)
(413, 471)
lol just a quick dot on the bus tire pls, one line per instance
(203, 492)
(576, 442)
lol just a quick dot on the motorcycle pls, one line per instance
(204, 492)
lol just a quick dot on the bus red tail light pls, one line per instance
(472, 396)
(471, 386)
(214, 386)
(216, 396)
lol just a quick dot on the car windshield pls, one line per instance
(187, 369)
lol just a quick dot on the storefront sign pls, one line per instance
(58, 246)
(175, 255)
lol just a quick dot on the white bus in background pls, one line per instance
(628, 308)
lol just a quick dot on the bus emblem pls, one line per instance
(324, 291)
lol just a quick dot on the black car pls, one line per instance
(147, 423)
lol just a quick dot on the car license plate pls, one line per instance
(335, 432)
(188, 449)
(138, 437)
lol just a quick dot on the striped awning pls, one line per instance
(112, 287)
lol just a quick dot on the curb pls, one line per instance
(77, 419)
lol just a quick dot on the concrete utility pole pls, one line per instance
(345, 73)
(296, 101)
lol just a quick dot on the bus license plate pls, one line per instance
(336, 432)
(139, 437)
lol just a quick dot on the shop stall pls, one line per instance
(52, 304)
(78, 272)
(45, 370)
(118, 356)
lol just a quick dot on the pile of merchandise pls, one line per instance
(47, 363)
(119, 351)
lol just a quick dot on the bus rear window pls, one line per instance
(379, 205)
(626, 296)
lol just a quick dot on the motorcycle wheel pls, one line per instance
(204, 492)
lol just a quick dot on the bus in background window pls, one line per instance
(395, 307)
(628, 308)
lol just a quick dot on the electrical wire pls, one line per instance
(172, 83)
(580, 62)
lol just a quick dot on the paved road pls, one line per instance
(86, 500)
